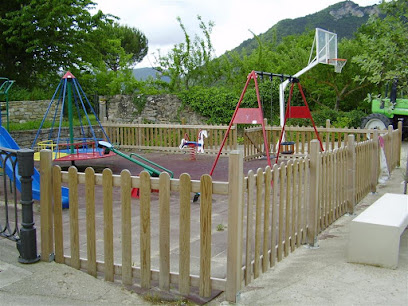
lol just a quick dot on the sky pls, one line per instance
(234, 19)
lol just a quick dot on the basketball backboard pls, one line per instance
(324, 47)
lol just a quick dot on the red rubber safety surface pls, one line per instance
(178, 163)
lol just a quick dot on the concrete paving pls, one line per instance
(318, 276)
(54, 284)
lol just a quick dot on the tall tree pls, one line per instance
(120, 46)
(190, 62)
(38, 38)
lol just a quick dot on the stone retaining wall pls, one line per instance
(155, 109)
(23, 111)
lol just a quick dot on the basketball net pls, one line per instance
(338, 63)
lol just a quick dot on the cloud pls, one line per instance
(233, 19)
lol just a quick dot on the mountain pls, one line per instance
(142, 74)
(343, 18)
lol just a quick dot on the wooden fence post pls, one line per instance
(235, 207)
(351, 172)
(47, 239)
(327, 135)
(374, 163)
(314, 191)
(391, 162)
(235, 136)
(399, 143)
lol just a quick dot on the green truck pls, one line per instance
(388, 111)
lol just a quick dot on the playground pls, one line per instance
(209, 214)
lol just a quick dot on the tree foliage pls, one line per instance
(119, 46)
(383, 45)
(190, 63)
(39, 38)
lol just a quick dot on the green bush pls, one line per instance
(216, 103)
(338, 119)
(18, 93)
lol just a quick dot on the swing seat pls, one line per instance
(299, 112)
(287, 147)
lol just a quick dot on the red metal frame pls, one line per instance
(297, 112)
(246, 116)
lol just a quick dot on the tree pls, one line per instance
(384, 45)
(190, 62)
(39, 38)
(120, 46)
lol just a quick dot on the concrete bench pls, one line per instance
(374, 236)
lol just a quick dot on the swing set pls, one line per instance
(324, 51)
(255, 115)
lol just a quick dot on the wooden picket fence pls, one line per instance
(270, 213)
(165, 137)
(331, 138)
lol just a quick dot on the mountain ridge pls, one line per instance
(343, 18)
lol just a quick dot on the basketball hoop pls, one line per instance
(338, 63)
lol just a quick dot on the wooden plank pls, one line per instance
(107, 183)
(351, 174)
(185, 228)
(300, 202)
(205, 236)
(164, 230)
(145, 237)
(294, 204)
(90, 220)
(46, 205)
(58, 228)
(265, 252)
(275, 175)
(73, 216)
(249, 227)
(258, 221)
(313, 195)
(282, 179)
(235, 219)
(289, 171)
(125, 198)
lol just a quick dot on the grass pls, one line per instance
(157, 300)
(35, 124)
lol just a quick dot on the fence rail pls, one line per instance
(331, 138)
(164, 137)
(270, 213)
(9, 227)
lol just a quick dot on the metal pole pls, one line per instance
(70, 116)
(27, 245)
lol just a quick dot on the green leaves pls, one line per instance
(42, 38)
(383, 45)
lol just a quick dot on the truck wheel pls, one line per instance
(376, 121)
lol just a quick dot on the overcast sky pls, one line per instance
(233, 19)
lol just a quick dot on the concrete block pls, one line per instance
(374, 235)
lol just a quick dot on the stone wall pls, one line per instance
(23, 111)
(120, 108)
(156, 109)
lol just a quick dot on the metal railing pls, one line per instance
(18, 169)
